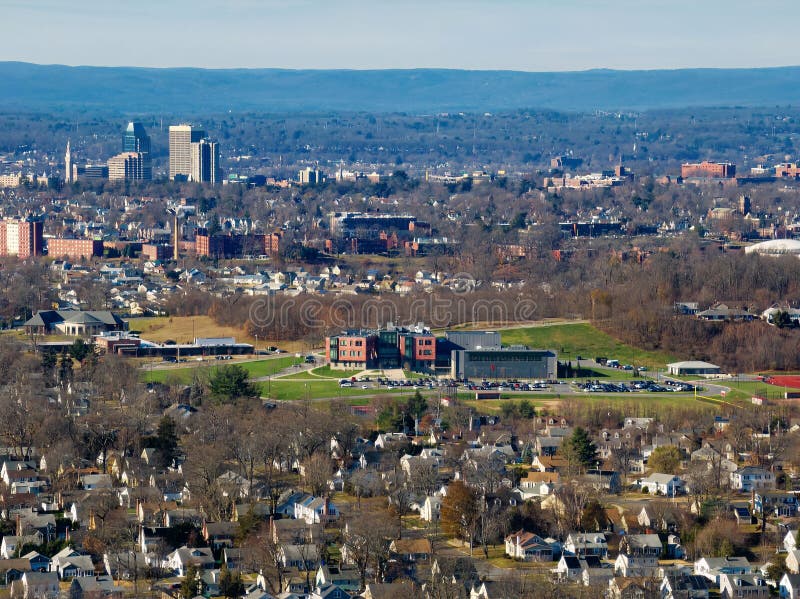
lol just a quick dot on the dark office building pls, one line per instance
(507, 363)
(135, 139)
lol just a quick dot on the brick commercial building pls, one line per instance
(708, 170)
(74, 249)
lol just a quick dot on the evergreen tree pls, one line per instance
(230, 382)
(579, 450)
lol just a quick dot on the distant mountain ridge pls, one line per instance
(32, 87)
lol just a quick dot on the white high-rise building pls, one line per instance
(181, 138)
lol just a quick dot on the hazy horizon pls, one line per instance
(509, 35)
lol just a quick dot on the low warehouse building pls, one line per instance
(692, 367)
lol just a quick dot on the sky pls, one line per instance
(526, 35)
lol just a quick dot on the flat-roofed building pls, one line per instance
(129, 166)
(504, 363)
(708, 170)
(74, 249)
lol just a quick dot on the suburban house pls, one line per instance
(752, 478)
(571, 567)
(714, 567)
(743, 585)
(586, 544)
(315, 510)
(645, 545)
(431, 508)
(635, 565)
(36, 584)
(528, 547)
(411, 550)
(662, 484)
(789, 586)
(178, 561)
(779, 503)
(679, 585)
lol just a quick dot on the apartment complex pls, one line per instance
(21, 237)
(236, 245)
(310, 176)
(708, 170)
(74, 249)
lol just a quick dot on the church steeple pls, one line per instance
(68, 166)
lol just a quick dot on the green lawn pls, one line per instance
(582, 339)
(331, 373)
(639, 403)
(256, 369)
(283, 389)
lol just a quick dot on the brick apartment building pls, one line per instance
(156, 251)
(236, 245)
(74, 249)
(21, 237)
(708, 170)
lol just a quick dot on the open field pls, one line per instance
(256, 369)
(582, 339)
(639, 404)
(183, 329)
(282, 389)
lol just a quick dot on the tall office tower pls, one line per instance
(181, 138)
(68, 175)
(129, 166)
(135, 139)
(205, 162)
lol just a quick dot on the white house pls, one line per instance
(431, 508)
(10, 543)
(635, 565)
(793, 561)
(315, 510)
(586, 544)
(752, 478)
(713, 567)
(789, 586)
(743, 585)
(662, 484)
(790, 540)
(528, 547)
(181, 558)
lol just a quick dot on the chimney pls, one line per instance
(19, 525)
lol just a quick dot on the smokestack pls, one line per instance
(175, 234)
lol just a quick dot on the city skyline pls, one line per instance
(355, 34)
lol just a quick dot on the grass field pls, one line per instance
(183, 329)
(256, 369)
(582, 339)
(283, 389)
(640, 404)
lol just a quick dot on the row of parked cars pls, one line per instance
(505, 386)
(651, 386)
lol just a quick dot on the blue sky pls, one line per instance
(529, 35)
